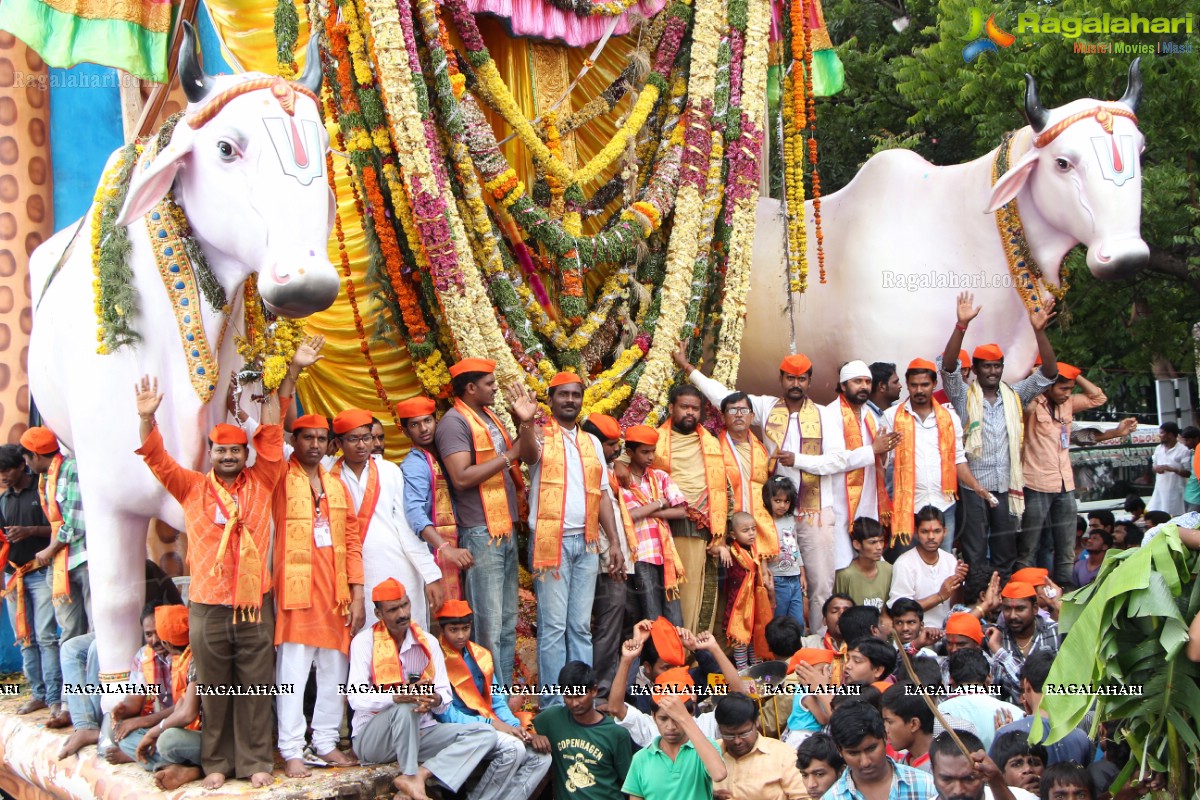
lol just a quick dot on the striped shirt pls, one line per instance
(907, 784)
(655, 484)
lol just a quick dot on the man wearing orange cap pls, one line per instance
(515, 768)
(482, 463)
(991, 410)
(428, 508)
(964, 369)
(319, 572)
(58, 489)
(1049, 480)
(397, 682)
(228, 514)
(570, 500)
(390, 548)
(1025, 632)
(806, 445)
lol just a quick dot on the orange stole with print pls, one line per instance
(16, 583)
(855, 478)
(464, 684)
(247, 581)
(386, 669)
(180, 665)
(48, 494)
(297, 570)
(444, 524)
(839, 658)
(751, 610)
(552, 496)
(366, 509)
(808, 499)
(673, 573)
(149, 676)
(767, 541)
(904, 481)
(715, 479)
(493, 493)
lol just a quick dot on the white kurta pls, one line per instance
(1168, 487)
(390, 549)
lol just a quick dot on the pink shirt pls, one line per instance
(1046, 455)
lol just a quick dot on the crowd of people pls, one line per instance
(782, 600)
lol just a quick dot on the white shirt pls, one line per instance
(575, 507)
(868, 501)
(1168, 487)
(912, 577)
(927, 459)
(981, 710)
(412, 661)
(642, 729)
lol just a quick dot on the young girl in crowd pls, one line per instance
(787, 568)
(749, 600)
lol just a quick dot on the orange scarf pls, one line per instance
(179, 682)
(552, 496)
(464, 684)
(366, 509)
(626, 521)
(16, 583)
(715, 479)
(247, 581)
(48, 494)
(493, 493)
(852, 432)
(904, 480)
(149, 677)
(386, 669)
(779, 419)
(300, 515)
(673, 573)
(767, 542)
(839, 658)
(751, 609)
(443, 523)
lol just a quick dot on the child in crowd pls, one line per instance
(908, 720)
(685, 773)
(1066, 780)
(811, 703)
(1021, 762)
(868, 579)
(820, 764)
(750, 594)
(787, 568)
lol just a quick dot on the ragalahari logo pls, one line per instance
(986, 37)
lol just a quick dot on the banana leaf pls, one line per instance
(1128, 628)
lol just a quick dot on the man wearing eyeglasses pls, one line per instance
(758, 767)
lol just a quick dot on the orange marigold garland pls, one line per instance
(811, 114)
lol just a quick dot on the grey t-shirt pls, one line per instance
(454, 436)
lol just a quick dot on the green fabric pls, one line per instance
(865, 592)
(588, 762)
(829, 76)
(654, 776)
(64, 40)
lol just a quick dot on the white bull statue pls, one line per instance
(905, 237)
(247, 165)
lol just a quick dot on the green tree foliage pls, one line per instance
(913, 89)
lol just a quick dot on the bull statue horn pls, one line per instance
(311, 79)
(196, 85)
(1034, 112)
(1133, 90)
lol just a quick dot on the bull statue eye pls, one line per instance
(1062, 164)
(227, 150)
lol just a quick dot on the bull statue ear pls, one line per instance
(1012, 181)
(151, 182)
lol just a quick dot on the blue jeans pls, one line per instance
(564, 611)
(491, 589)
(950, 515)
(80, 667)
(39, 660)
(174, 746)
(789, 600)
(1053, 513)
(75, 617)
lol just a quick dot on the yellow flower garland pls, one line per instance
(605, 395)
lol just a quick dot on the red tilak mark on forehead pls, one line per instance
(301, 155)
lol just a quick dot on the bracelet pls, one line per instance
(160, 725)
(961, 327)
(507, 461)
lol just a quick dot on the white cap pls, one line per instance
(854, 369)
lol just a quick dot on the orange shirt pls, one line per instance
(1046, 458)
(319, 625)
(253, 489)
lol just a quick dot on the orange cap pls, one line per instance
(564, 378)
(964, 358)
(641, 434)
(310, 421)
(674, 681)
(811, 656)
(1034, 576)
(1037, 362)
(989, 352)
(171, 623)
(922, 363)
(1017, 590)
(39, 440)
(472, 365)
(350, 419)
(667, 642)
(882, 686)
(795, 365)
(227, 434)
(454, 609)
(606, 425)
(391, 589)
(419, 406)
(963, 624)
(1068, 372)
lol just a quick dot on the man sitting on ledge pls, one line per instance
(171, 749)
(392, 721)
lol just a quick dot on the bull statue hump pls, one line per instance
(250, 177)
(904, 237)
